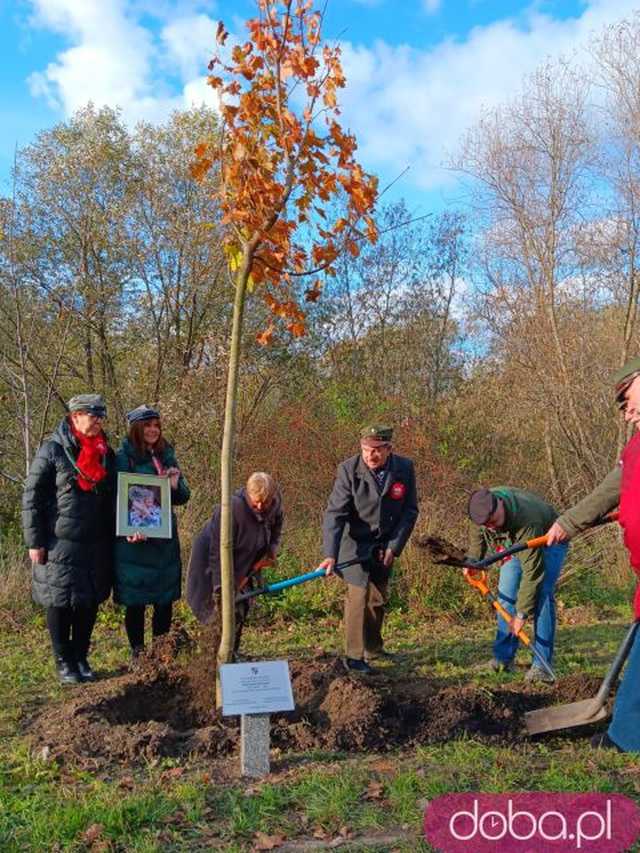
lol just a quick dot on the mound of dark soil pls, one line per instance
(162, 708)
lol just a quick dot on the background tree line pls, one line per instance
(485, 334)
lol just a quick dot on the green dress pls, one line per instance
(149, 572)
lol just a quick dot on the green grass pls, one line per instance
(51, 807)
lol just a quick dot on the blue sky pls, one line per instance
(418, 71)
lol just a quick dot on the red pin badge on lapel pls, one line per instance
(397, 491)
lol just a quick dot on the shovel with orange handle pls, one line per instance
(478, 578)
(538, 542)
(254, 572)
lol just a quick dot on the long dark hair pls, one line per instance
(136, 437)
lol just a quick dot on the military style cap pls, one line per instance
(92, 403)
(142, 413)
(482, 504)
(623, 377)
(376, 433)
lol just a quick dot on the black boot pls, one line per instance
(84, 669)
(67, 669)
(356, 665)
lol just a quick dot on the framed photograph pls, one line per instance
(143, 506)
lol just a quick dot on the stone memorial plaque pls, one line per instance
(260, 687)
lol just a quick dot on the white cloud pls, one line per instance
(407, 106)
(190, 43)
(198, 92)
(111, 61)
(167, 10)
(114, 60)
(410, 107)
(431, 6)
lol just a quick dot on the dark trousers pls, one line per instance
(134, 622)
(70, 630)
(364, 615)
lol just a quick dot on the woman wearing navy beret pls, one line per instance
(148, 571)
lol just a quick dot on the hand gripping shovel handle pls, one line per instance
(538, 542)
(480, 583)
(294, 581)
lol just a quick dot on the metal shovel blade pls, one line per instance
(587, 710)
(581, 713)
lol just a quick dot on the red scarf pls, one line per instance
(630, 508)
(93, 449)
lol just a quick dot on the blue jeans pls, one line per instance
(544, 617)
(625, 722)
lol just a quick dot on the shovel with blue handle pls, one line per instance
(296, 580)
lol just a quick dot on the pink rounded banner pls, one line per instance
(532, 821)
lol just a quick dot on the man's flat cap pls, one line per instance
(482, 504)
(626, 371)
(623, 377)
(376, 432)
(142, 413)
(92, 403)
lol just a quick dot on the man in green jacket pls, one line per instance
(505, 516)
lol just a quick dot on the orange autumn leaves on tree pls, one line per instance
(283, 157)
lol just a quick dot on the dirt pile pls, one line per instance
(164, 708)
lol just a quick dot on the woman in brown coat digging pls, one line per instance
(257, 528)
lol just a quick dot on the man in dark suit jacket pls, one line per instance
(371, 512)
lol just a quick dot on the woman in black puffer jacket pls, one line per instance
(68, 522)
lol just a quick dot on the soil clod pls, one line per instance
(442, 551)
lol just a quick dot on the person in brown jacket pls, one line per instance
(257, 529)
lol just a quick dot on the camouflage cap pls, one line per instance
(623, 377)
(92, 403)
(376, 433)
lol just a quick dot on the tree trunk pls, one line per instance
(225, 651)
